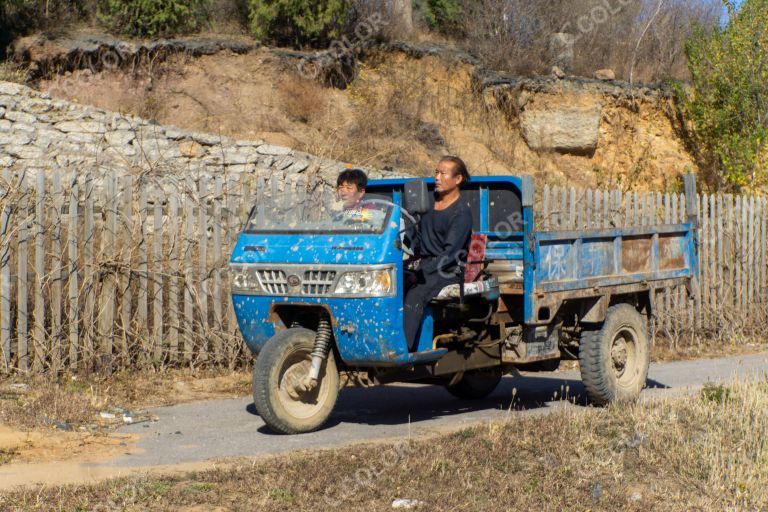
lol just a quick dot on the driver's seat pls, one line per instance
(471, 271)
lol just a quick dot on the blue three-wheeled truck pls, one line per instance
(318, 294)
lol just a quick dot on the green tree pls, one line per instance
(442, 15)
(154, 18)
(20, 17)
(296, 22)
(726, 109)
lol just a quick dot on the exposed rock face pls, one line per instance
(408, 105)
(605, 74)
(564, 127)
(37, 132)
(96, 52)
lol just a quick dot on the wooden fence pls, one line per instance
(121, 271)
(127, 271)
(733, 301)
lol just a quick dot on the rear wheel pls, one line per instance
(476, 384)
(279, 392)
(614, 359)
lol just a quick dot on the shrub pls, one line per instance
(20, 17)
(153, 18)
(727, 106)
(296, 22)
(441, 15)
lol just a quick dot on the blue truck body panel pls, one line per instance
(556, 266)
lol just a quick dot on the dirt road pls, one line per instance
(197, 435)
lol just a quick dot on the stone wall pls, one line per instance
(38, 132)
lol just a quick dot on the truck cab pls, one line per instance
(318, 293)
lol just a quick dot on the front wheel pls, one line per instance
(279, 393)
(614, 359)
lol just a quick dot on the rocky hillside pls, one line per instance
(393, 106)
(38, 132)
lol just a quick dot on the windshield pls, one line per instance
(318, 212)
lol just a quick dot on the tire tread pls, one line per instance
(266, 363)
(598, 385)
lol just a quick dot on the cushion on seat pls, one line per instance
(486, 288)
(472, 270)
(475, 257)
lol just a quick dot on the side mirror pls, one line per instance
(416, 197)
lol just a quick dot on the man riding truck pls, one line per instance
(442, 241)
(350, 186)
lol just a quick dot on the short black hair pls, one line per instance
(459, 167)
(355, 176)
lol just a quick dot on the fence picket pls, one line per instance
(667, 322)
(88, 262)
(557, 208)
(73, 316)
(763, 244)
(703, 246)
(142, 293)
(737, 255)
(56, 270)
(39, 334)
(216, 275)
(107, 297)
(157, 277)
(125, 279)
(233, 227)
(712, 254)
(189, 328)
(744, 251)
(173, 279)
(751, 254)
(720, 229)
(22, 271)
(203, 264)
(5, 275)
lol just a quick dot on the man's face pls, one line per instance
(349, 194)
(445, 181)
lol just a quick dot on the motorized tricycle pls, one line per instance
(318, 294)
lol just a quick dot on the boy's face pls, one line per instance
(349, 194)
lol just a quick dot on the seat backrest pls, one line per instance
(475, 257)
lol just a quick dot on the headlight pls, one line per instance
(371, 283)
(244, 279)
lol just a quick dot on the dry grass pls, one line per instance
(707, 453)
(10, 72)
(75, 401)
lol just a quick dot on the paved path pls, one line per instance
(216, 429)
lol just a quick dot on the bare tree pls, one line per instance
(403, 14)
(645, 39)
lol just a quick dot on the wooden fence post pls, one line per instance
(39, 336)
(173, 282)
(202, 248)
(73, 317)
(22, 271)
(142, 309)
(57, 269)
(106, 307)
(5, 273)
(124, 280)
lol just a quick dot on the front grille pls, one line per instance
(273, 281)
(318, 282)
